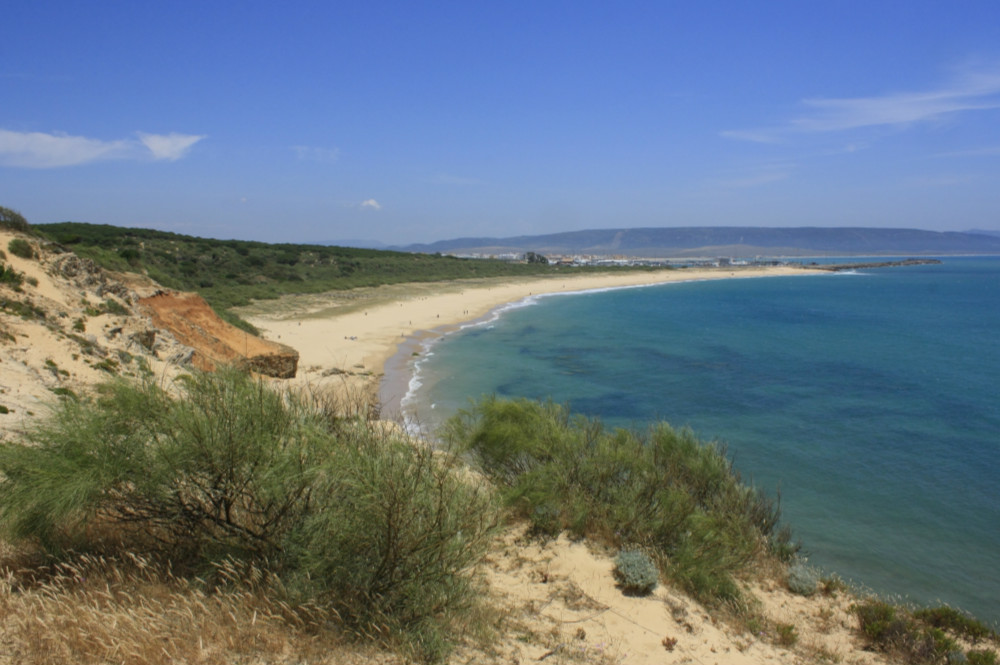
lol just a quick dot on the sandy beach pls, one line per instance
(350, 338)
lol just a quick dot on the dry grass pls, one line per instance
(132, 610)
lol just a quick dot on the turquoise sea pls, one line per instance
(870, 399)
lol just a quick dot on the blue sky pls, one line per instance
(413, 122)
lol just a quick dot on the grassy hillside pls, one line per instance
(229, 273)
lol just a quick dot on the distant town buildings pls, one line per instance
(576, 260)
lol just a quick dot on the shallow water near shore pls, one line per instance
(871, 399)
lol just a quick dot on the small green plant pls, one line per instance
(62, 391)
(79, 325)
(802, 579)
(636, 573)
(786, 635)
(981, 657)
(4, 409)
(831, 585)
(21, 247)
(109, 365)
(10, 276)
(110, 306)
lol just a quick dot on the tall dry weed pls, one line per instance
(131, 609)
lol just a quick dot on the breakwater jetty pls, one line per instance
(837, 267)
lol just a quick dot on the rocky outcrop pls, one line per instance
(86, 274)
(214, 342)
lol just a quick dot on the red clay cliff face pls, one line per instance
(190, 319)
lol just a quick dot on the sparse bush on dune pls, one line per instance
(11, 277)
(339, 513)
(802, 579)
(926, 635)
(13, 220)
(21, 247)
(662, 489)
(636, 573)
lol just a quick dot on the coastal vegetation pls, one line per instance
(661, 490)
(230, 273)
(229, 521)
(238, 520)
(236, 488)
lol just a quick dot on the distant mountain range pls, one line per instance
(734, 241)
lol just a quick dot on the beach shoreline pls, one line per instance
(363, 340)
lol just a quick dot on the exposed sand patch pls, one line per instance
(565, 607)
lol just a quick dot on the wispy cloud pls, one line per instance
(316, 154)
(371, 204)
(40, 150)
(170, 147)
(970, 90)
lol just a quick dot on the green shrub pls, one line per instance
(397, 534)
(662, 489)
(911, 636)
(636, 573)
(802, 579)
(877, 620)
(347, 514)
(949, 618)
(21, 247)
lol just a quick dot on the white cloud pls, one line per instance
(170, 147)
(971, 90)
(40, 150)
(371, 204)
(315, 154)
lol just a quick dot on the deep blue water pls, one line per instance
(871, 400)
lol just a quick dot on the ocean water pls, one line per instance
(871, 400)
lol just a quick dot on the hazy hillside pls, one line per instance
(731, 241)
